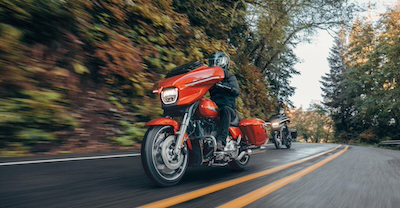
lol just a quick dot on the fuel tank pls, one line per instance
(208, 108)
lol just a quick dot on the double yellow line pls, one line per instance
(252, 196)
(263, 191)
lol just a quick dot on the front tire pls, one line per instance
(287, 140)
(277, 139)
(156, 156)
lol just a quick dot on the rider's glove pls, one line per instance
(219, 85)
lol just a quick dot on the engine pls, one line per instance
(203, 134)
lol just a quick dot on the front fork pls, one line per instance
(181, 133)
(182, 130)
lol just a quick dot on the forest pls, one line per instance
(361, 90)
(77, 75)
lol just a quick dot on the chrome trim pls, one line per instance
(182, 130)
(241, 155)
(238, 140)
(202, 80)
(212, 164)
(185, 123)
(214, 140)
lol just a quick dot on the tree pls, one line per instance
(363, 101)
(331, 80)
(278, 26)
(332, 85)
(313, 125)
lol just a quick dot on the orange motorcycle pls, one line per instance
(185, 135)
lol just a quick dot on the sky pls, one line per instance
(314, 63)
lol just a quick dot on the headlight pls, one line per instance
(169, 95)
(275, 125)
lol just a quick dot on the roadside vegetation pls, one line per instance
(361, 90)
(77, 75)
(313, 125)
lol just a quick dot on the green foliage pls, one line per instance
(35, 107)
(80, 69)
(33, 117)
(221, 19)
(130, 133)
(65, 64)
(53, 52)
(35, 135)
(255, 98)
(363, 100)
(280, 26)
(314, 125)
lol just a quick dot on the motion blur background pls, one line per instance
(77, 75)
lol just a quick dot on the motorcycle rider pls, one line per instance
(224, 94)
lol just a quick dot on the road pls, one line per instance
(344, 177)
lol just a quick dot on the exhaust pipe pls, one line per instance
(243, 153)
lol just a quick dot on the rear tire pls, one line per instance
(288, 143)
(153, 162)
(240, 165)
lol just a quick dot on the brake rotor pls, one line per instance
(171, 160)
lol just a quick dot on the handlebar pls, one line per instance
(222, 86)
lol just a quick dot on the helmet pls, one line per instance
(219, 58)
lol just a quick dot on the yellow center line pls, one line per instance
(263, 191)
(258, 152)
(219, 186)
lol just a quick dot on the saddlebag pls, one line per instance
(253, 131)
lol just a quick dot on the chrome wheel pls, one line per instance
(167, 164)
(240, 164)
(161, 164)
(244, 160)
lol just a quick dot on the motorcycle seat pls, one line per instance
(236, 120)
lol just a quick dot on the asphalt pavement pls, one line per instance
(307, 175)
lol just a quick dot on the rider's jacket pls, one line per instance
(226, 96)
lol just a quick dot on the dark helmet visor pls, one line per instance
(211, 62)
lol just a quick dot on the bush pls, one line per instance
(130, 133)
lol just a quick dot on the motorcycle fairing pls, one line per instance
(192, 85)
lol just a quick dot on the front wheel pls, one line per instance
(277, 139)
(286, 137)
(158, 159)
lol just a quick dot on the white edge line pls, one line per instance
(67, 159)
